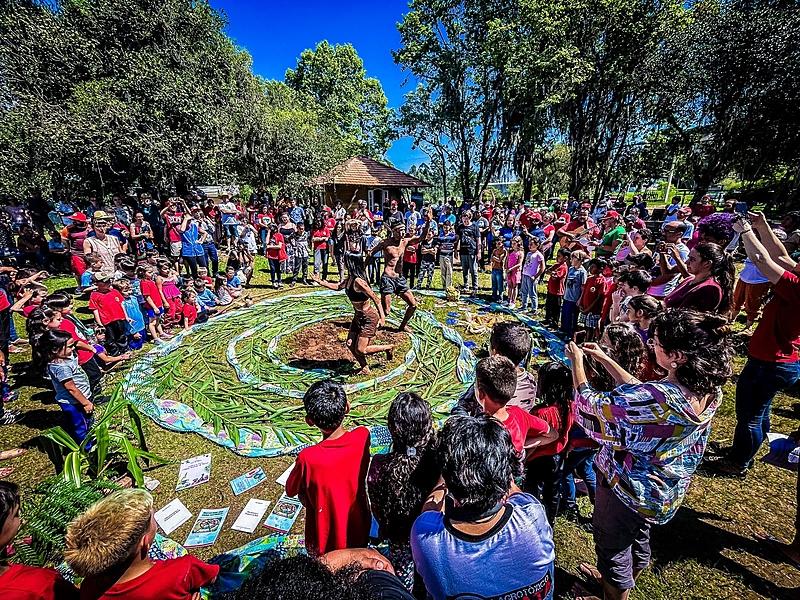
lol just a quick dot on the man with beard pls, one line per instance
(392, 282)
(576, 234)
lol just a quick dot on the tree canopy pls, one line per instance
(103, 95)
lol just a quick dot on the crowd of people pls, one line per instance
(465, 509)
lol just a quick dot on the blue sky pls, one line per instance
(275, 32)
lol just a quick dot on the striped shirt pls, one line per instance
(651, 442)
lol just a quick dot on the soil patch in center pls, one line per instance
(324, 346)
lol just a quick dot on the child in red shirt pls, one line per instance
(189, 309)
(153, 307)
(109, 544)
(20, 582)
(593, 296)
(544, 466)
(495, 384)
(106, 304)
(330, 477)
(555, 288)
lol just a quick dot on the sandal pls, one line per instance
(592, 578)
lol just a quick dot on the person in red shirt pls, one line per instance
(593, 296)
(556, 283)
(189, 309)
(544, 466)
(109, 544)
(153, 307)
(330, 477)
(106, 305)
(320, 236)
(20, 582)
(577, 233)
(495, 384)
(773, 362)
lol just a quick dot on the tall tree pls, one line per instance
(353, 103)
(456, 110)
(731, 95)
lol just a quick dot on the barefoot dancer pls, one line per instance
(392, 282)
(366, 319)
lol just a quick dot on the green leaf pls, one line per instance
(72, 468)
(61, 437)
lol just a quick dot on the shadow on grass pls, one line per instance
(692, 535)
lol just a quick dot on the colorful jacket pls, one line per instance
(650, 442)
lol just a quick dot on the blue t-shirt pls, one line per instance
(206, 299)
(86, 279)
(135, 316)
(514, 559)
(575, 280)
(234, 282)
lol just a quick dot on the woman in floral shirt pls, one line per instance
(652, 437)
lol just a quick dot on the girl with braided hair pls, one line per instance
(399, 482)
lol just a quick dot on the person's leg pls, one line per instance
(753, 300)
(533, 294)
(739, 294)
(615, 529)
(640, 551)
(317, 261)
(473, 269)
(465, 269)
(758, 384)
(324, 255)
(585, 468)
(524, 291)
(365, 348)
(78, 422)
(411, 301)
(95, 375)
(263, 235)
(495, 284)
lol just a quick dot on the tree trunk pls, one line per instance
(702, 181)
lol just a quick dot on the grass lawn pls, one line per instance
(707, 551)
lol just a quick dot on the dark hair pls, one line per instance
(496, 376)
(58, 301)
(37, 329)
(640, 261)
(478, 461)
(564, 252)
(404, 479)
(512, 340)
(598, 262)
(53, 342)
(645, 234)
(722, 269)
(355, 265)
(704, 339)
(647, 304)
(628, 351)
(636, 278)
(326, 404)
(302, 577)
(9, 500)
(555, 387)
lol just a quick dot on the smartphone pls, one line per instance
(579, 337)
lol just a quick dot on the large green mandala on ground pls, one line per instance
(226, 381)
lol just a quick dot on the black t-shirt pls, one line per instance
(385, 586)
(469, 237)
(427, 245)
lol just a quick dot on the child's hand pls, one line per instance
(137, 336)
(88, 408)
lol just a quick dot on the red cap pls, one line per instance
(78, 216)
(612, 214)
(536, 216)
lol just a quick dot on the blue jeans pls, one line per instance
(212, 258)
(497, 284)
(78, 422)
(527, 291)
(758, 383)
(569, 318)
(263, 235)
(580, 461)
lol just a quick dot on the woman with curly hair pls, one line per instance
(399, 482)
(652, 436)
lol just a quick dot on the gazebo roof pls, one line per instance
(361, 170)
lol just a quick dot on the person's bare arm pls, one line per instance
(331, 286)
(679, 264)
(365, 288)
(435, 500)
(70, 386)
(774, 247)
(758, 254)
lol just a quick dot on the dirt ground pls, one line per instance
(323, 346)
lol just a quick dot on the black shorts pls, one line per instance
(393, 285)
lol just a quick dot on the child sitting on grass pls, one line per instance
(20, 582)
(495, 384)
(108, 545)
(330, 477)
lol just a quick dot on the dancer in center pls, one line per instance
(366, 319)
(392, 281)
